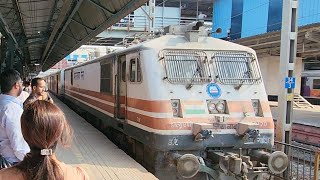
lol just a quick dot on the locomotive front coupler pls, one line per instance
(232, 164)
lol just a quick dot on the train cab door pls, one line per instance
(121, 97)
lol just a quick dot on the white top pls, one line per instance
(12, 144)
(201, 17)
(23, 96)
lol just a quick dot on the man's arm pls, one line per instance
(12, 126)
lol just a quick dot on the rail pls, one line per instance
(304, 163)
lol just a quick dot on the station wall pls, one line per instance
(270, 73)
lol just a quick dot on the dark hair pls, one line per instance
(27, 83)
(34, 81)
(7, 79)
(43, 126)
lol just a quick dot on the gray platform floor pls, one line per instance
(94, 152)
(306, 116)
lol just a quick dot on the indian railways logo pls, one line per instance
(213, 90)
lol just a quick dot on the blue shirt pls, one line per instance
(12, 144)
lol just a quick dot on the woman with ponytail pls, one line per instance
(43, 126)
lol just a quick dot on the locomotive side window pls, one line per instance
(132, 70)
(138, 71)
(123, 71)
(135, 70)
(105, 78)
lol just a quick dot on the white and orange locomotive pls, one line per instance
(184, 105)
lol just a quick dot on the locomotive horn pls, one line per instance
(277, 161)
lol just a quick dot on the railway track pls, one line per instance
(306, 134)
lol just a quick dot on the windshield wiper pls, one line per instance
(198, 70)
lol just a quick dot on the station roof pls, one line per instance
(45, 31)
(308, 42)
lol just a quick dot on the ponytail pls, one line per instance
(43, 126)
(36, 166)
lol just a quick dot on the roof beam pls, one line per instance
(101, 7)
(18, 14)
(129, 7)
(40, 41)
(6, 31)
(66, 8)
(92, 29)
(51, 15)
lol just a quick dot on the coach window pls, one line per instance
(105, 81)
(316, 84)
(71, 77)
(135, 70)
(123, 71)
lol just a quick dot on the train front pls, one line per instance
(222, 100)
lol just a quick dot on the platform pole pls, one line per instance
(152, 7)
(288, 49)
(10, 55)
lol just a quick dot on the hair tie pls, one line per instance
(46, 152)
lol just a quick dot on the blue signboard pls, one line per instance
(68, 57)
(290, 82)
(213, 90)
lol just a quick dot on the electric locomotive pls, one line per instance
(184, 105)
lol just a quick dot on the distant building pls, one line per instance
(245, 18)
(62, 64)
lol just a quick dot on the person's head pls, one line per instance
(38, 86)
(11, 82)
(27, 84)
(43, 126)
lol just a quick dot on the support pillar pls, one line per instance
(288, 51)
(152, 7)
(10, 55)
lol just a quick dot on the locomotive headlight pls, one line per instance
(216, 106)
(211, 107)
(175, 104)
(256, 107)
(220, 107)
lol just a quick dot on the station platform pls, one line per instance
(94, 152)
(305, 116)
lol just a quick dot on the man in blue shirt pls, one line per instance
(13, 147)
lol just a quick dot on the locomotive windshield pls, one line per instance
(193, 67)
(235, 67)
(186, 66)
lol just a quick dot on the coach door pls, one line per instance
(121, 88)
(57, 84)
